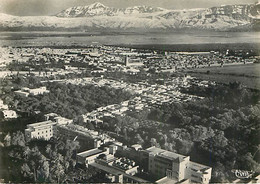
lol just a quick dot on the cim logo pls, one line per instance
(242, 174)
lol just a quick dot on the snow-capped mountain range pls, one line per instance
(98, 9)
(100, 17)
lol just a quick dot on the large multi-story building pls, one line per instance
(173, 167)
(164, 167)
(119, 170)
(42, 130)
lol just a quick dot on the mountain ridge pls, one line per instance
(145, 18)
(97, 9)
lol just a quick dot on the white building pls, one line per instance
(62, 121)
(38, 91)
(22, 93)
(3, 106)
(9, 114)
(42, 130)
(50, 116)
(170, 167)
(25, 92)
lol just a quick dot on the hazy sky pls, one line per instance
(50, 7)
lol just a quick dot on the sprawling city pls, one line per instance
(90, 112)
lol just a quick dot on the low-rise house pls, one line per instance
(91, 118)
(2, 105)
(62, 121)
(9, 114)
(50, 116)
(25, 92)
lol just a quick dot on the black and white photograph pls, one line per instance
(130, 91)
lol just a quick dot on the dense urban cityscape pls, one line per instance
(90, 115)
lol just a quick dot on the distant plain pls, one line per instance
(126, 38)
(174, 41)
(248, 74)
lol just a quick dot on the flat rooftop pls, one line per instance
(198, 167)
(164, 153)
(114, 171)
(90, 152)
(154, 150)
(166, 180)
(51, 114)
(171, 155)
(107, 169)
(41, 124)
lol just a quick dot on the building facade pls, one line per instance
(42, 130)
(174, 167)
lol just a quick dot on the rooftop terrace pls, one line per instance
(198, 167)
(90, 152)
(163, 153)
(41, 124)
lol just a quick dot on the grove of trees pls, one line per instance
(221, 131)
(40, 161)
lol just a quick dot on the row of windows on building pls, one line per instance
(42, 136)
(43, 132)
(194, 176)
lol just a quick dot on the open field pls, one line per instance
(248, 75)
(196, 47)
